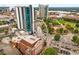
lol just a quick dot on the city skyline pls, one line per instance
(40, 30)
(49, 5)
(59, 5)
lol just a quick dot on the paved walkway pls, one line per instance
(9, 50)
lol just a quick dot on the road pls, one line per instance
(9, 50)
(65, 40)
(46, 36)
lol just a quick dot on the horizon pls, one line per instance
(60, 5)
(49, 5)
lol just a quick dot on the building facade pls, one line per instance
(28, 44)
(43, 11)
(35, 14)
(25, 18)
(4, 9)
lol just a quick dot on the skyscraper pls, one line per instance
(25, 18)
(43, 11)
(35, 14)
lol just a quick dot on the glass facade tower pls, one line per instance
(27, 16)
(28, 20)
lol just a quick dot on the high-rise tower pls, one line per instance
(25, 18)
(43, 11)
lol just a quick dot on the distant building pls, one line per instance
(43, 11)
(35, 14)
(13, 14)
(25, 18)
(28, 44)
(4, 9)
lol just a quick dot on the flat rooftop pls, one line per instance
(29, 38)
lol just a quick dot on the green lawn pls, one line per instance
(61, 21)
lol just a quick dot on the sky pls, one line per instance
(60, 5)
(53, 3)
(49, 5)
(64, 5)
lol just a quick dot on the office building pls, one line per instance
(25, 18)
(28, 44)
(43, 11)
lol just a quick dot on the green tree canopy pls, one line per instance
(57, 37)
(77, 25)
(69, 27)
(76, 31)
(60, 30)
(74, 38)
(77, 41)
(65, 31)
(51, 51)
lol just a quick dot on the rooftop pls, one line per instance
(29, 38)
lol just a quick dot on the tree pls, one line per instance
(75, 31)
(44, 29)
(54, 22)
(49, 20)
(15, 25)
(1, 30)
(50, 30)
(4, 22)
(74, 38)
(71, 20)
(60, 30)
(77, 41)
(57, 37)
(51, 51)
(65, 31)
(69, 27)
(77, 25)
(1, 23)
(6, 31)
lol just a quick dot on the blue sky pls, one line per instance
(60, 5)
